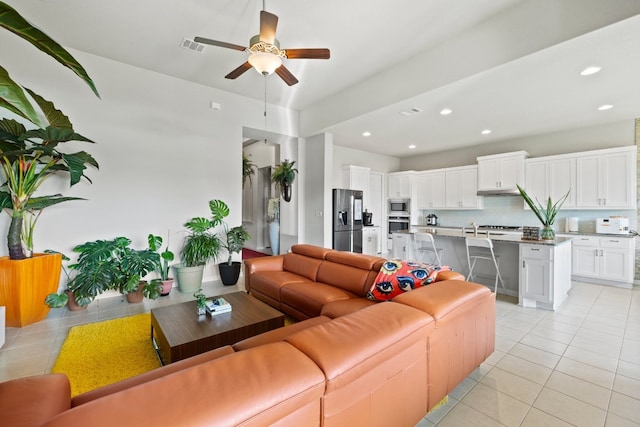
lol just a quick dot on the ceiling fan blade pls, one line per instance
(268, 25)
(286, 75)
(218, 43)
(238, 71)
(307, 53)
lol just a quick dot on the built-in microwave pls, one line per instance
(399, 207)
(397, 223)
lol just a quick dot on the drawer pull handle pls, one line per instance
(614, 241)
(535, 249)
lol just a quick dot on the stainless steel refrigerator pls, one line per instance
(347, 220)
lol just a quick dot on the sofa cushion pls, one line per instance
(269, 282)
(311, 250)
(353, 279)
(396, 277)
(308, 298)
(345, 306)
(302, 265)
(279, 334)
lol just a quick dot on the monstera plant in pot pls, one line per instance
(28, 157)
(201, 245)
(283, 175)
(162, 267)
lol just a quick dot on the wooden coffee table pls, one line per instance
(177, 332)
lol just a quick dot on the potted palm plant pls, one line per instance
(283, 175)
(546, 214)
(28, 157)
(201, 245)
(162, 268)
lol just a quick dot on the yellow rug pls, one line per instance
(106, 352)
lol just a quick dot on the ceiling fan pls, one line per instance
(264, 51)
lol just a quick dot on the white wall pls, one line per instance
(163, 152)
(344, 156)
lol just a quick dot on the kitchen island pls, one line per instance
(538, 272)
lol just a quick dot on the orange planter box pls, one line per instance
(24, 284)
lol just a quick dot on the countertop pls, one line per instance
(497, 236)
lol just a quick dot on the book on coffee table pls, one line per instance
(218, 305)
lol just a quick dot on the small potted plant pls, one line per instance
(201, 245)
(162, 268)
(201, 302)
(71, 300)
(546, 214)
(233, 242)
(283, 176)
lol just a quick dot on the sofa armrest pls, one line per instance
(150, 375)
(266, 263)
(31, 401)
(449, 275)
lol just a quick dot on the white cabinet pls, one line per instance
(401, 185)
(607, 179)
(461, 188)
(431, 189)
(402, 246)
(501, 171)
(545, 275)
(357, 178)
(370, 239)
(606, 259)
(553, 177)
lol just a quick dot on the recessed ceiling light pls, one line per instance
(605, 107)
(486, 132)
(366, 133)
(446, 111)
(590, 70)
(412, 146)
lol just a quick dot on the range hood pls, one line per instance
(499, 192)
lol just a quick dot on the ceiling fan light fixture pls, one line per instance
(264, 63)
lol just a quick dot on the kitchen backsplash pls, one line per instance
(509, 210)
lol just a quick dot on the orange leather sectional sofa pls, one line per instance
(349, 363)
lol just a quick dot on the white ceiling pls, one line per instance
(506, 65)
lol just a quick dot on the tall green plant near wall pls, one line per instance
(28, 157)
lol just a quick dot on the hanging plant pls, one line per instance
(283, 176)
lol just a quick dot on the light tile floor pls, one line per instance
(577, 366)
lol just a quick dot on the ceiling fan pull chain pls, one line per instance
(265, 106)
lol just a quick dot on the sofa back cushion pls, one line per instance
(345, 277)
(311, 251)
(302, 265)
(350, 271)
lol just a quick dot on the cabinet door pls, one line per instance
(453, 186)
(586, 261)
(562, 178)
(615, 264)
(431, 190)
(510, 172)
(488, 174)
(401, 245)
(469, 188)
(399, 186)
(536, 182)
(615, 183)
(536, 280)
(587, 179)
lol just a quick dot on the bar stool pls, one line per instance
(424, 244)
(484, 252)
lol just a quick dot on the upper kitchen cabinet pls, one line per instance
(461, 186)
(551, 177)
(431, 189)
(402, 185)
(500, 173)
(357, 178)
(606, 179)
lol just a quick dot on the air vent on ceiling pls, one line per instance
(412, 111)
(190, 44)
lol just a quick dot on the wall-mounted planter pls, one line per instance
(25, 283)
